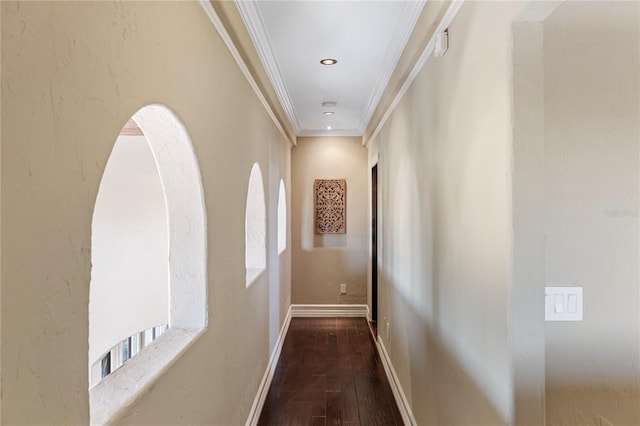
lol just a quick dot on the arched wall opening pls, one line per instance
(129, 290)
(255, 227)
(180, 246)
(282, 218)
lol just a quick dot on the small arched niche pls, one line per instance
(282, 218)
(255, 227)
(149, 219)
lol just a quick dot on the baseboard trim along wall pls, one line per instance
(396, 388)
(265, 384)
(330, 311)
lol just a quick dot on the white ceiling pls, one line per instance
(366, 37)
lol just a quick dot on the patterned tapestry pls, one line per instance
(330, 206)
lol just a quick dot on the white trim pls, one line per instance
(396, 388)
(330, 311)
(265, 384)
(407, 23)
(448, 17)
(217, 23)
(255, 26)
(332, 132)
(371, 163)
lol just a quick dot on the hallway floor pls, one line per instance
(329, 373)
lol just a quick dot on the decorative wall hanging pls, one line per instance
(330, 197)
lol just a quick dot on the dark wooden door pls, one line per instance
(374, 243)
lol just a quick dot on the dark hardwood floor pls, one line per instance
(329, 373)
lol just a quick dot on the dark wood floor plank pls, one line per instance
(329, 373)
(317, 421)
(373, 404)
(350, 412)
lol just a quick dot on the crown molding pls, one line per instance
(226, 38)
(405, 28)
(255, 26)
(252, 18)
(446, 20)
(332, 132)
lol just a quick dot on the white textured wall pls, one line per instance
(321, 262)
(592, 186)
(129, 249)
(255, 223)
(72, 74)
(283, 230)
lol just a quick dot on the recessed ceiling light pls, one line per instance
(328, 127)
(329, 104)
(328, 113)
(328, 61)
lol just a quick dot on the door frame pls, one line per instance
(375, 226)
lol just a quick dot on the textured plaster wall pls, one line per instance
(592, 186)
(255, 225)
(446, 237)
(279, 262)
(130, 249)
(282, 218)
(72, 74)
(321, 262)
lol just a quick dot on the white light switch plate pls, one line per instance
(563, 303)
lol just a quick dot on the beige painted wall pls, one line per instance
(322, 262)
(501, 172)
(0, 237)
(72, 74)
(444, 164)
(592, 186)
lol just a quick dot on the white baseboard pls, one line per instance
(330, 311)
(265, 384)
(396, 388)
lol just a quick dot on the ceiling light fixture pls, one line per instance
(328, 127)
(328, 61)
(328, 113)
